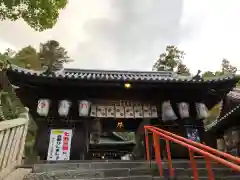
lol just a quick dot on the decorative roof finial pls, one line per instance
(197, 76)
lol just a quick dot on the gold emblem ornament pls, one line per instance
(120, 125)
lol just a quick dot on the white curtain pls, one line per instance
(167, 112)
(183, 108)
(202, 111)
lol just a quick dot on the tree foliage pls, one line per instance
(27, 57)
(52, 55)
(171, 59)
(10, 105)
(39, 14)
(226, 68)
(182, 69)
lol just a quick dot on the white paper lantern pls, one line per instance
(202, 111)
(64, 107)
(43, 107)
(183, 108)
(84, 107)
(167, 112)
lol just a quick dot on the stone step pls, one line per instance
(125, 172)
(201, 172)
(89, 165)
(165, 178)
(114, 164)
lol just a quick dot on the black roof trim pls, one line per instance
(107, 75)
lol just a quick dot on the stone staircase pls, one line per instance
(124, 170)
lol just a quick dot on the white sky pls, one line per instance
(109, 35)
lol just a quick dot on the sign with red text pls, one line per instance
(59, 144)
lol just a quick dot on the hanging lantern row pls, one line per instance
(63, 108)
(183, 108)
(86, 108)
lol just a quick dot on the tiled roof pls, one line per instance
(235, 94)
(106, 75)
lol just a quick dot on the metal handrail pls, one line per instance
(202, 146)
(191, 148)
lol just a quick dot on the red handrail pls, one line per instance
(199, 145)
(208, 156)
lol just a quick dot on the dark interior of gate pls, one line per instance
(95, 105)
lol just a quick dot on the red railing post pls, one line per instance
(147, 145)
(209, 168)
(193, 165)
(192, 147)
(201, 146)
(169, 158)
(157, 153)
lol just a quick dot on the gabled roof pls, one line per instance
(113, 75)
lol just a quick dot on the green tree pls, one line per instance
(171, 59)
(52, 55)
(182, 69)
(227, 67)
(208, 74)
(27, 57)
(7, 57)
(39, 14)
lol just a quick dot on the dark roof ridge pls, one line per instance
(115, 75)
(102, 71)
(117, 71)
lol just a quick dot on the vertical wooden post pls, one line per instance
(22, 144)
(7, 153)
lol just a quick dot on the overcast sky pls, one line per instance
(130, 34)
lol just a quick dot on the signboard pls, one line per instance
(193, 134)
(59, 144)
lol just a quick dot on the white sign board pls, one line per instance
(59, 144)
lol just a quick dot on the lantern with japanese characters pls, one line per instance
(202, 111)
(84, 107)
(43, 107)
(183, 108)
(168, 113)
(64, 107)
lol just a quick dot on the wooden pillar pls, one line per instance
(42, 140)
(78, 147)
